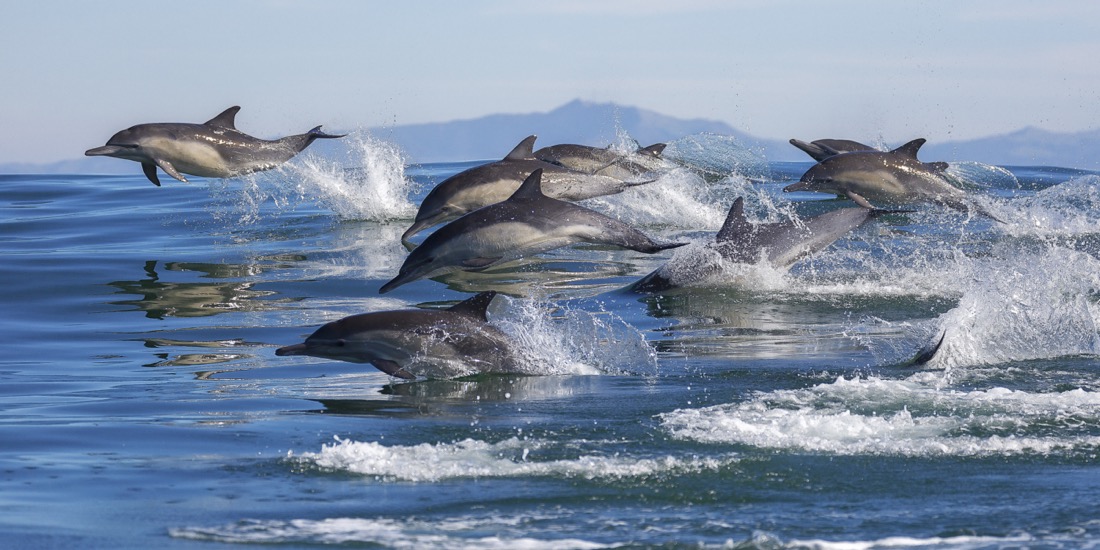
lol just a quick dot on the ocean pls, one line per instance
(142, 404)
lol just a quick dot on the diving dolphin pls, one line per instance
(213, 149)
(527, 223)
(892, 178)
(493, 182)
(457, 341)
(781, 244)
(604, 161)
(821, 149)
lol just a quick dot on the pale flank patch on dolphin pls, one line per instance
(781, 244)
(458, 341)
(821, 149)
(213, 149)
(894, 178)
(496, 181)
(527, 223)
(605, 160)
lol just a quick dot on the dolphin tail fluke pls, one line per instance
(925, 355)
(316, 133)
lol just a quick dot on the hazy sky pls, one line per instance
(74, 72)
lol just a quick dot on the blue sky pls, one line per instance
(75, 72)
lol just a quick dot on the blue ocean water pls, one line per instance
(142, 405)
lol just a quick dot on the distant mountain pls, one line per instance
(1027, 147)
(491, 137)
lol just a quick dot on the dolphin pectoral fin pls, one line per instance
(392, 368)
(479, 263)
(150, 170)
(169, 169)
(858, 199)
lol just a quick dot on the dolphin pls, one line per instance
(493, 182)
(213, 149)
(528, 222)
(822, 149)
(457, 341)
(781, 244)
(604, 160)
(894, 177)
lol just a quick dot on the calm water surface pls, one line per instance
(142, 405)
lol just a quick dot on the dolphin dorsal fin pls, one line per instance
(525, 149)
(654, 150)
(225, 119)
(736, 222)
(910, 149)
(475, 307)
(531, 188)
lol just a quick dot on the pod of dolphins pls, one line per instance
(522, 205)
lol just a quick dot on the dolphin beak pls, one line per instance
(800, 186)
(296, 349)
(106, 150)
(422, 224)
(397, 281)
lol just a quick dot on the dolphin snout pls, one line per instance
(800, 186)
(106, 150)
(296, 349)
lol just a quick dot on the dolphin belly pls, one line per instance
(195, 157)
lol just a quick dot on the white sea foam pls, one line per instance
(1069, 209)
(913, 417)
(368, 183)
(460, 534)
(566, 340)
(373, 188)
(955, 543)
(513, 457)
(1037, 305)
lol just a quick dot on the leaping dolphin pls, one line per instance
(457, 341)
(527, 223)
(605, 161)
(821, 149)
(493, 182)
(213, 149)
(889, 178)
(781, 244)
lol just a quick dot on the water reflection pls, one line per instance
(439, 397)
(732, 323)
(160, 299)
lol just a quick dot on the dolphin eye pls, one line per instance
(340, 343)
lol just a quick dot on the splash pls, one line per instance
(1067, 210)
(912, 417)
(513, 457)
(678, 198)
(375, 189)
(718, 156)
(566, 340)
(1036, 305)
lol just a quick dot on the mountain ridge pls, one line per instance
(592, 123)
